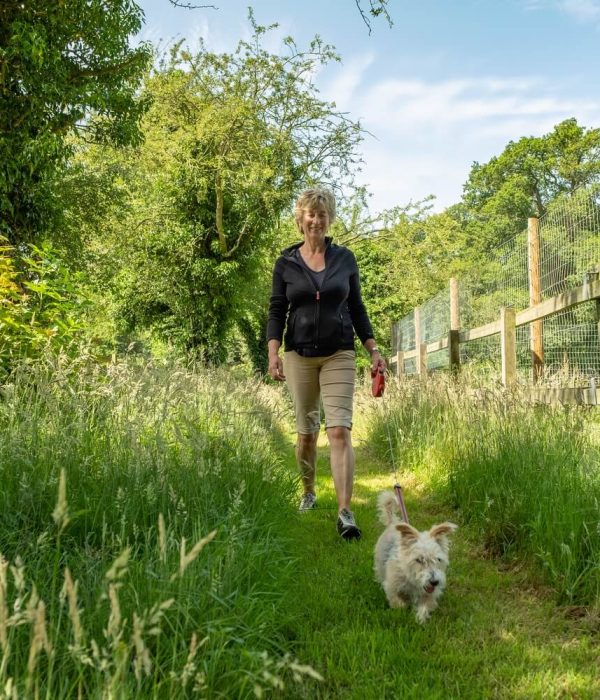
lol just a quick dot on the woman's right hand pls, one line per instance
(276, 368)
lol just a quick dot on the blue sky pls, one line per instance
(452, 82)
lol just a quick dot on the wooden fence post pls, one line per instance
(536, 337)
(399, 363)
(508, 345)
(419, 346)
(453, 335)
(454, 305)
(397, 348)
(596, 275)
(417, 322)
(422, 360)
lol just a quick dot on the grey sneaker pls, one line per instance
(346, 525)
(307, 502)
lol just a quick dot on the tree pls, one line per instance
(530, 173)
(407, 260)
(61, 63)
(229, 139)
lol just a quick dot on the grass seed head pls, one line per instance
(71, 592)
(39, 641)
(162, 539)
(142, 662)
(119, 566)
(60, 514)
(3, 605)
(10, 690)
(114, 629)
(185, 559)
(18, 572)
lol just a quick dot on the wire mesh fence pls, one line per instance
(569, 255)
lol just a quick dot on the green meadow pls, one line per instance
(152, 549)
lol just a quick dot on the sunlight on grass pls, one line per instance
(494, 635)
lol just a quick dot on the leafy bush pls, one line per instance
(41, 304)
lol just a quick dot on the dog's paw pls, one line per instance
(422, 614)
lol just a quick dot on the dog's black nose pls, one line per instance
(434, 582)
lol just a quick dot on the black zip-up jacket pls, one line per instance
(319, 320)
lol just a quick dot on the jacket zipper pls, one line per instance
(317, 306)
(317, 294)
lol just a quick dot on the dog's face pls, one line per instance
(425, 555)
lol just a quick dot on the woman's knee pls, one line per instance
(307, 439)
(339, 433)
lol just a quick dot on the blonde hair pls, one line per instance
(313, 198)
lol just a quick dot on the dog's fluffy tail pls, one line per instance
(387, 507)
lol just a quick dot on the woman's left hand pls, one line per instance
(377, 362)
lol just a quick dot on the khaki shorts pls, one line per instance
(330, 378)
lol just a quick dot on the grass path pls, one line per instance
(495, 635)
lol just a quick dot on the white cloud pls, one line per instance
(579, 10)
(428, 133)
(396, 178)
(417, 104)
(346, 82)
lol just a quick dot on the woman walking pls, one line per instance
(315, 308)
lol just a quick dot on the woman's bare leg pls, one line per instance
(342, 464)
(306, 457)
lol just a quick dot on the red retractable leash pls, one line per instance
(378, 383)
(378, 389)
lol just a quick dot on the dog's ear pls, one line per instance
(408, 533)
(440, 532)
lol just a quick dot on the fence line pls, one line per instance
(558, 254)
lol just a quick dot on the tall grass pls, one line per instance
(142, 534)
(528, 477)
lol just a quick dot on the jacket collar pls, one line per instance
(289, 252)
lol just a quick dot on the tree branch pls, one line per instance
(219, 215)
(189, 6)
(239, 240)
(367, 236)
(378, 7)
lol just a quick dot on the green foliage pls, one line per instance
(61, 63)
(229, 139)
(177, 234)
(406, 261)
(41, 304)
(526, 177)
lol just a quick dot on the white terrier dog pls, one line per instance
(410, 565)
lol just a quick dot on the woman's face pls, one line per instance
(315, 222)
